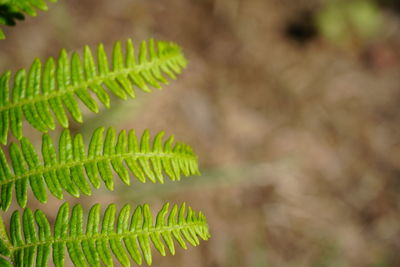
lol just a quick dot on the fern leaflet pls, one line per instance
(134, 231)
(33, 95)
(11, 10)
(74, 169)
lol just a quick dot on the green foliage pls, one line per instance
(40, 90)
(42, 96)
(67, 171)
(92, 246)
(12, 10)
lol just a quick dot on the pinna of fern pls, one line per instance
(73, 170)
(11, 10)
(57, 86)
(124, 235)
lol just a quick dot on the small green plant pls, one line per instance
(73, 168)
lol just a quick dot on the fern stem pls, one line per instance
(135, 155)
(108, 236)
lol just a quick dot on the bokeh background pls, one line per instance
(292, 106)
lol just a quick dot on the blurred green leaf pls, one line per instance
(345, 22)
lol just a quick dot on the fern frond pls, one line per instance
(27, 6)
(73, 169)
(57, 86)
(12, 10)
(124, 235)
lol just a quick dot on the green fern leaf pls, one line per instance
(27, 6)
(73, 170)
(57, 86)
(124, 235)
(12, 10)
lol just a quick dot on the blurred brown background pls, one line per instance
(292, 106)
